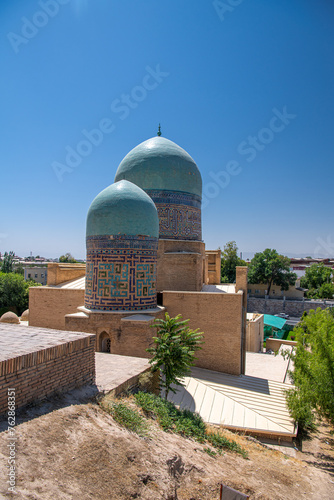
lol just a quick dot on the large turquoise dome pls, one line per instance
(122, 208)
(160, 164)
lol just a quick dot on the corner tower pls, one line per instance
(122, 242)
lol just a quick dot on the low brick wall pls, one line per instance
(40, 373)
(275, 344)
(62, 272)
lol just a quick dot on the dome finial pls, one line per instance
(159, 131)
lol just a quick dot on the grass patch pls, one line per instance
(127, 417)
(184, 422)
(210, 452)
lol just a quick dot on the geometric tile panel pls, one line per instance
(179, 214)
(120, 275)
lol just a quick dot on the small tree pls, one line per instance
(7, 262)
(229, 262)
(67, 258)
(173, 351)
(318, 280)
(14, 292)
(313, 374)
(271, 268)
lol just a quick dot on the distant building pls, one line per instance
(36, 273)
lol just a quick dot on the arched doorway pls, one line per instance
(105, 342)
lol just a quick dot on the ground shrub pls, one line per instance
(184, 422)
(127, 417)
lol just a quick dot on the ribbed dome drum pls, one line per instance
(122, 241)
(169, 175)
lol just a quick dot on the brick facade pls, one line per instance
(180, 265)
(60, 273)
(48, 306)
(117, 332)
(220, 317)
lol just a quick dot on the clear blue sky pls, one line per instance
(217, 78)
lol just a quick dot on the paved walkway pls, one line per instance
(268, 366)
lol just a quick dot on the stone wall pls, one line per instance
(39, 374)
(48, 306)
(220, 317)
(290, 307)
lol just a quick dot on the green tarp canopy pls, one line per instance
(274, 321)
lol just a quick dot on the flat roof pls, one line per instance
(76, 284)
(227, 288)
(253, 404)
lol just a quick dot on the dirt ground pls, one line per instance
(78, 452)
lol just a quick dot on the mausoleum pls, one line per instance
(145, 256)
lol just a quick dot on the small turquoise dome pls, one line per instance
(122, 208)
(160, 164)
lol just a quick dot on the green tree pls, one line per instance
(313, 374)
(67, 258)
(318, 281)
(229, 262)
(14, 292)
(271, 268)
(7, 262)
(173, 350)
(19, 269)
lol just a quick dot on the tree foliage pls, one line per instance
(67, 258)
(313, 374)
(229, 262)
(271, 268)
(14, 292)
(7, 262)
(173, 350)
(318, 279)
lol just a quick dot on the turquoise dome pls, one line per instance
(122, 208)
(160, 164)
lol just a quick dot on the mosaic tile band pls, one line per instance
(121, 273)
(179, 214)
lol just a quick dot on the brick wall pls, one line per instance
(220, 317)
(42, 373)
(214, 266)
(180, 265)
(127, 337)
(48, 306)
(275, 344)
(60, 273)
